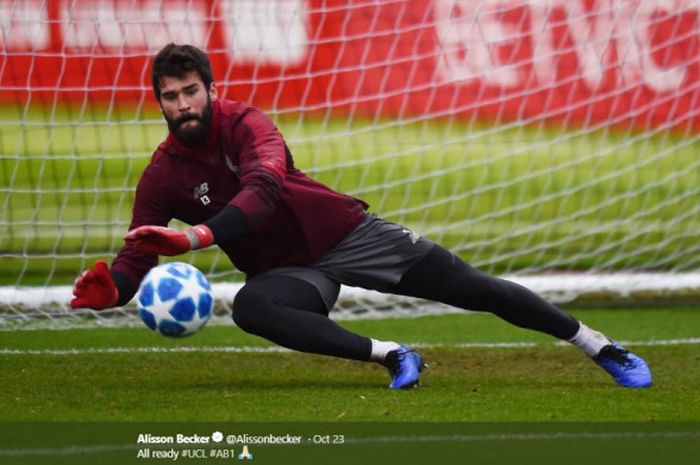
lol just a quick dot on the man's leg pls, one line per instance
(443, 277)
(290, 312)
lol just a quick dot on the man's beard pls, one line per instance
(191, 135)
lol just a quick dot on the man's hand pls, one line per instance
(165, 241)
(95, 289)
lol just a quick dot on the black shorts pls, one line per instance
(374, 256)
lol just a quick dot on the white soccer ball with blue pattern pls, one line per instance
(175, 299)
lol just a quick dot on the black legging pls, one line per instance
(290, 312)
(443, 277)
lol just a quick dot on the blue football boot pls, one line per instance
(627, 369)
(405, 367)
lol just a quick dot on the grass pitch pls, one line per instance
(493, 393)
(475, 374)
(505, 198)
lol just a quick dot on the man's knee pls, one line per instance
(250, 309)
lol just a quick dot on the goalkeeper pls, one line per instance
(225, 169)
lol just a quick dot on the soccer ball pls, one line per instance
(175, 299)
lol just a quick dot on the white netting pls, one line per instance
(530, 137)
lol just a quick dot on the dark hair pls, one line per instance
(178, 60)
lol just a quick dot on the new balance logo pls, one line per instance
(200, 192)
(412, 235)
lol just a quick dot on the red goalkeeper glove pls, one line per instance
(165, 241)
(95, 289)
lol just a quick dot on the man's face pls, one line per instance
(186, 106)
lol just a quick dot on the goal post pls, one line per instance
(552, 142)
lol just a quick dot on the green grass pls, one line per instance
(526, 405)
(476, 385)
(504, 198)
(544, 382)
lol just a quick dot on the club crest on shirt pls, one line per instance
(232, 167)
(200, 192)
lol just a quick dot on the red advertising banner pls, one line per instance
(592, 62)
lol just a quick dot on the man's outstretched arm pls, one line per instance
(227, 225)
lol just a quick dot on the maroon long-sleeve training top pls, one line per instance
(244, 162)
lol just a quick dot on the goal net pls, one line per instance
(553, 142)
